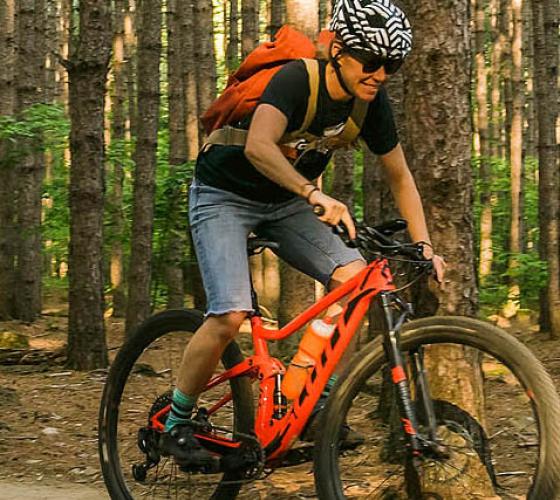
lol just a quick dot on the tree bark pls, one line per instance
(130, 46)
(175, 244)
(116, 212)
(545, 19)
(297, 291)
(149, 52)
(190, 81)
(342, 187)
(87, 70)
(498, 42)
(304, 16)
(7, 186)
(232, 46)
(30, 84)
(439, 135)
(250, 26)
(205, 59)
(276, 17)
(516, 154)
(486, 253)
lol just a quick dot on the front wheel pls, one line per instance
(138, 389)
(501, 433)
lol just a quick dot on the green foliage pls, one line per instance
(41, 127)
(530, 272)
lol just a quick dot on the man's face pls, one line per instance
(363, 85)
(362, 81)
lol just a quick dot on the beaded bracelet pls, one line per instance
(315, 188)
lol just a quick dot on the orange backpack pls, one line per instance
(245, 87)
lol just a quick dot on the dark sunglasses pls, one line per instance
(371, 63)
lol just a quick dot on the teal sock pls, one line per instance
(330, 384)
(182, 406)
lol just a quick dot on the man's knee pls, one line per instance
(344, 273)
(226, 326)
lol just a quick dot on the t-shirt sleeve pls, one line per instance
(379, 130)
(288, 91)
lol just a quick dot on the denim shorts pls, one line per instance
(220, 223)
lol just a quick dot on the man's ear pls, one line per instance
(336, 48)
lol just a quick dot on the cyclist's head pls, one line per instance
(373, 37)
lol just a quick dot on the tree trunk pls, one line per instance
(51, 47)
(296, 290)
(271, 286)
(65, 28)
(506, 71)
(30, 84)
(204, 58)
(130, 56)
(175, 244)
(116, 212)
(304, 16)
(498, 42)
(516, 157)
(7, 186)
(149, 52)
(439, 135)
(545, 23)
(276, 16)
(190, 81)
(87, 70)
(232, 46)
(486, 253)
(250, 26)
(530, 129)
(342, 187)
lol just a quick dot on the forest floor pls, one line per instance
(48, 420)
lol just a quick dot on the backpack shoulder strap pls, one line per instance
(355, 121)
(312, 67)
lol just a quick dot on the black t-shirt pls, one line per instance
(226, 167)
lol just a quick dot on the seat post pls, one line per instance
(254, 297)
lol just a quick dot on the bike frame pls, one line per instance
(276, 433)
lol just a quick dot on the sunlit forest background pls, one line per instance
(166, 62)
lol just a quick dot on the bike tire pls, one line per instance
(155, 327)
(440, 330)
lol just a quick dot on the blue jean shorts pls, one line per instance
(220, 223)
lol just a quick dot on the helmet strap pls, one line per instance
(336, 65)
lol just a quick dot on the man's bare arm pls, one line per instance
(409, 203)
(266, 130)
(261, 149)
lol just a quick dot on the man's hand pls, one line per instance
(438, 263)
(335, 211)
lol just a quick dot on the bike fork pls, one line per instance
(392, 348)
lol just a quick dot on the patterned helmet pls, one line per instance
(375, 26)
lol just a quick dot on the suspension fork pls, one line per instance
(391, 345)
(423, 390)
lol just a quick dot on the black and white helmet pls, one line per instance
(375, 26)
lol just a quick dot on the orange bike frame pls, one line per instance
(277, 435)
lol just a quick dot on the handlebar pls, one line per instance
(377, 239)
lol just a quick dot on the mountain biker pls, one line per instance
(239, 190)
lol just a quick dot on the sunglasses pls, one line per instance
(371, 63)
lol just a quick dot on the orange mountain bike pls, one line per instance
(400, 392)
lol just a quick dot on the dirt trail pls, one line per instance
(48, 422)
(33, 491)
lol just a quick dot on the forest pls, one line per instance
(100, 106)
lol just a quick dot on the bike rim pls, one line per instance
(152, 375)
(504, 442)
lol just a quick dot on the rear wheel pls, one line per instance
(138, 387)
(510, 450)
